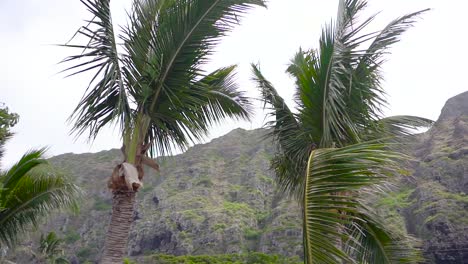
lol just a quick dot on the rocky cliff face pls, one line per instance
(220, 198)
(438, 208)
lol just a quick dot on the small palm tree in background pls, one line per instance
(29, 191)
(155, 89)
(333, 151)
(50, 250)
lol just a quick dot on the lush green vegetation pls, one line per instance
(7, 120)
(396, 200)
(251, 258)
(102, 205)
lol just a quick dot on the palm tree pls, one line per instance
(333, 150)
(153, 87)
(7, 120)
(50, 250)
(29, 191)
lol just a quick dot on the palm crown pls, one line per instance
(157, 83)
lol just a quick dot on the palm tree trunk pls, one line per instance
(119, 227)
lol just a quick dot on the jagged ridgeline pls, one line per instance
(220, 198)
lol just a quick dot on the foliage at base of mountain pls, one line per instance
(253, 257)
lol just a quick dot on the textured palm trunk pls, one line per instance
(119, 227)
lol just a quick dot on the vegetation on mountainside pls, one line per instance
(253, 257)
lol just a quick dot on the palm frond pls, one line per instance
(30, 191)
(390, 35)
(371, 242)
(293, 145)
(366, 93)
(29, 161)
(341, 79)
(106, 98)
(3, 140)
(169, 45)
(185, 115)
(335, 56)
(331, 199)
(403, 125)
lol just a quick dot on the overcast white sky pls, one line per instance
(426, 68)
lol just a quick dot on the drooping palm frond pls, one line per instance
(185, 115)
(106, 97)
(403, 125)
(372, 242)
(333, 206)
(21, 168)
(294, 145)
(30, 191)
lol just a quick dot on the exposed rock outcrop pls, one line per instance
(439, 210)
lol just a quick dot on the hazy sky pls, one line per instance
(425, 69)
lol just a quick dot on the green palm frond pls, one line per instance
(331, 201)
(49, 244)
(29, 160)
(403, 125)
(293, 145)
(50, 249)
(366, 93)
(106, 97)
(184, 34)
(31, 190)
(372, 242)
(339, 89)
(184, 116)
(383, 39)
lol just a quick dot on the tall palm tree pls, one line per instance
(153, 86)
(29, 191)
(333, 150)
